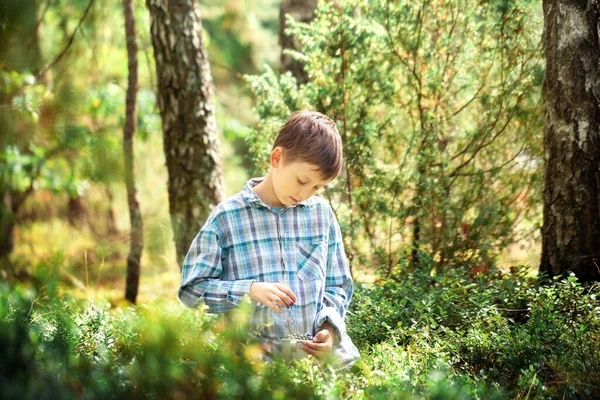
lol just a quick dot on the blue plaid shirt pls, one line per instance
(244, 240)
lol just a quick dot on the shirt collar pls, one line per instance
(251, 197)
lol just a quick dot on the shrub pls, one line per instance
(436, 103)
(505, 330)
(446, 336)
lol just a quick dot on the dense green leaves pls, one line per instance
(505, 331)
(437, 105)
(443, 336)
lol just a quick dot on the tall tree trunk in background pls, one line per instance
(571, 231)
(186, 106)
(135, 216)
(111, 223)
(7, 227)
(302, 11)
(76, 211)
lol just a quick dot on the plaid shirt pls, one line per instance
(244, 240)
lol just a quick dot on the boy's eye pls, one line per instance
(300, 182)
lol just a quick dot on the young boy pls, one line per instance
(281, 246)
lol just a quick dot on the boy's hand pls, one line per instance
(273, 295)
(322, 344)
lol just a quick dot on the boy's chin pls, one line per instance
(288, 201)
(292, 201)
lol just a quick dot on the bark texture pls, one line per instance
(302, 11)
(571, 230)
(185, 92)
(135, 216)
(7, 227)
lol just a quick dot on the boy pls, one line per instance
(281, 246)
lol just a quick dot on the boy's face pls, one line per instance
(296, 181)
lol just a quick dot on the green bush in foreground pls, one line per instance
(507, 331)
(442, 337)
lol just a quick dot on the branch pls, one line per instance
(236, 73)
(493, 169)
(455, 113)
(41, 74)
(398, 55)
(479, 148)
(447, 61)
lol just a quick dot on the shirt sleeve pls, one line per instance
(202, 272)
(338, 283)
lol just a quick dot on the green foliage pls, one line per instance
(240, 35)
(456, 338)
(443, 335)
(62, 130)
(162, 351)
(505, 330)
(421, 300)
(557, 350)
(436, 103)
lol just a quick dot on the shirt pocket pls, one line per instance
(311, 261)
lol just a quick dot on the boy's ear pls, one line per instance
(276, 157)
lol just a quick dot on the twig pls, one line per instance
(41, 74)
(237, 74)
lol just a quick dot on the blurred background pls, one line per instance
(77, 214)
(462, 189)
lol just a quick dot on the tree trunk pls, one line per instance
(302, 11)
(414, 254)
(186, 106)
(7, 227)
(571, 230)
(111, 223)
(135, 216)
(76, 212)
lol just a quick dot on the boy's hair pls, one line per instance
(309, 136)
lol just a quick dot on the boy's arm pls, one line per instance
(201, 275)
(338, 284)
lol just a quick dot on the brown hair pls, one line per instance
(309, 136)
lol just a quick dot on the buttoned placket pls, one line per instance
(287, 309)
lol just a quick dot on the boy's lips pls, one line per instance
(295, 201)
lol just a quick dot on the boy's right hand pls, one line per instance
(273, 295)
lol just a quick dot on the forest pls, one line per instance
(468, 201)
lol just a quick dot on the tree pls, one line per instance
(186, 106)
(571, 230)
(135, 216)
(437, 104)
(301, 11)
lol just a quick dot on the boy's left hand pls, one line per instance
(322, 344)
